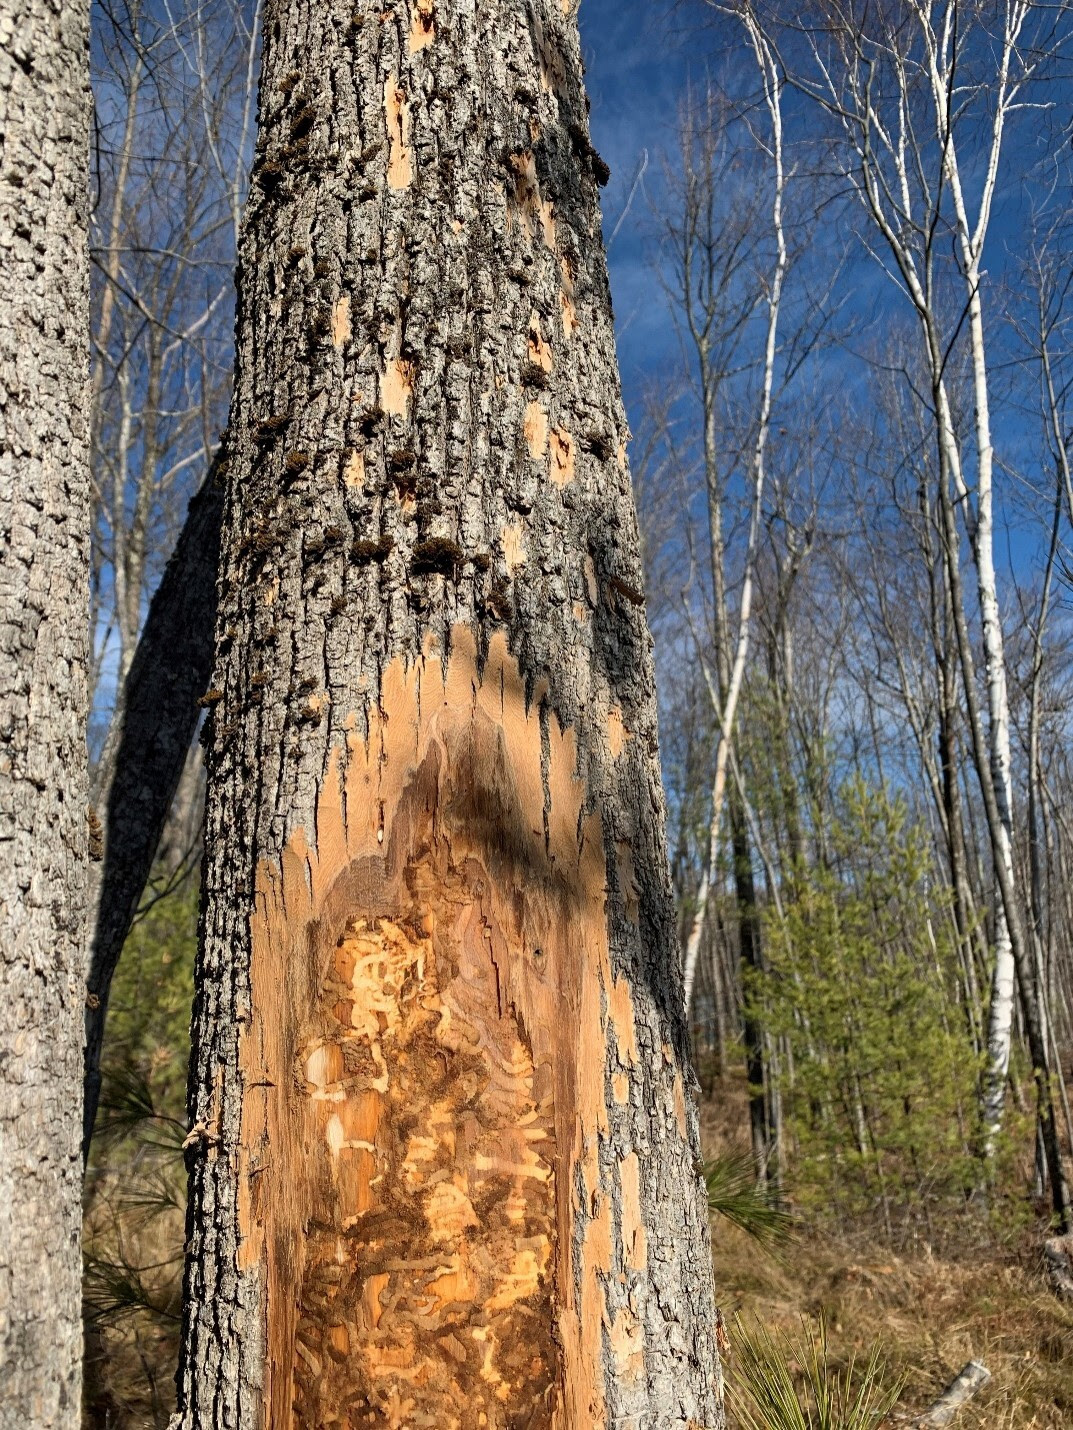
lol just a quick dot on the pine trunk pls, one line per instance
(44, 630)
(444, 1146)
(752, 962)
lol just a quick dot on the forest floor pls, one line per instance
(976, 1292)
(932, 1312)
(981, 1298)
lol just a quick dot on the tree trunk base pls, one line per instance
(1058, 1260)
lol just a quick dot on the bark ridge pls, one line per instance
(44, 621)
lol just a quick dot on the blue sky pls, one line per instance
(639, 57)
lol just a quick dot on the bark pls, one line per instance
(44, 638)
(444, 1149)
(732, 675)
(752, 960)
(966, 1384)
(142, 764)
(180, 846)
(966, 921)
(1058, 1263)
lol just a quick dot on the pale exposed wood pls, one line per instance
(536, 430)
(562, 457)
(400, 170)
(432, 999)
(341, 327)
(422, 25)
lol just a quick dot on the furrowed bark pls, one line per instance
(444, 1150)
(969, 1382)
(140, 767)
(44, 637)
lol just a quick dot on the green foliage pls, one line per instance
(780, 1382)
(148, 1035)
(735, 1193)
(861, 989)
(136, 1181)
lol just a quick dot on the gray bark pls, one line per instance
(142, 764)
(44, 597)
(1058, 1262)
(444, 1149)
(967, 1384)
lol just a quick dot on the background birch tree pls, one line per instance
(901, 89)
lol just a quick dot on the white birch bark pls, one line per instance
(971, 239)
(902, 198)
(726, 709)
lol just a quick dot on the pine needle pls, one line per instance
(735, 1193)
(765, 1395)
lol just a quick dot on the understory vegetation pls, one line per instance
(854, 481)
(135, 1195)
(877, 1238)
(876, 1068)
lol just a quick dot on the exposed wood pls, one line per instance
(448, 1168)
(433, 1013)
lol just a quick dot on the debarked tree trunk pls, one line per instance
(444, 1156)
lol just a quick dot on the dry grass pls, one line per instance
(981, 1298)
(132, 1287)
(932, 1315)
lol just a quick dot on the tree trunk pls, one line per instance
(143, 761)
(44, 638)
(752, 964)
(1010, 934)
(444, 1150)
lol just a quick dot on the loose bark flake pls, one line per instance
(439, 1036)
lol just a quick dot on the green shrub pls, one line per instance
(136, 1180)
(780, 1382)
(878, 1071)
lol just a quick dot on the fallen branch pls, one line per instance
(969, 1383)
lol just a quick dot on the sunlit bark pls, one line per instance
(443, 1145)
